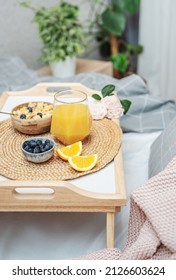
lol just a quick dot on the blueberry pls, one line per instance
(40, 114)
(26, 143)
(26, 148)
(32, 144)
(42, 150)
(39, 142)
(37, 150)
(30, 109)
(22, 116)
(51, 145)
(47, 147)
(47, 141)
(37, 146)
(30, 150)
(41, 146)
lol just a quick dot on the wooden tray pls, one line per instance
(63, 196)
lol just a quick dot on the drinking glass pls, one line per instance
(71, 120)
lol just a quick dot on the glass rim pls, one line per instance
(56, 98)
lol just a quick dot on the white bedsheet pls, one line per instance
(68, 235)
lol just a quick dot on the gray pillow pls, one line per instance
(163, 149)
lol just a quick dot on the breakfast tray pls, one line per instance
(56, 195)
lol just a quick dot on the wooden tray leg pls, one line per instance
(110, 219)
(110, 227)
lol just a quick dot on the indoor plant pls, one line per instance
(108, 26)
(62, 35)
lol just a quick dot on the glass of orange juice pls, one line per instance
(71, 120)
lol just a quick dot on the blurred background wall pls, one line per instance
(19, 36)
(157, 25)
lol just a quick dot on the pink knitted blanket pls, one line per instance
(152, 223)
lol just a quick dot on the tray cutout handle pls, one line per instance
(53, 90)
(33, 193)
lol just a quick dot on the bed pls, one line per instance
(69, 235)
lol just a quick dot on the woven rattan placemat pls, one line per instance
(105, 140)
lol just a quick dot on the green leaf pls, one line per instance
(134, 49)
(27, 5)
(120, 62)
(107, 90)
(24, 5)
(130, 6)
(139, 49)
(126, 105)
(117, 6)
(114, 22)
(96, 96)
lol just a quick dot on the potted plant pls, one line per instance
(108, 26)
(62, 35)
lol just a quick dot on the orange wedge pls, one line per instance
(70, 151)
(83, 163)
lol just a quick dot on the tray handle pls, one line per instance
(31, 190)
(34, 193)
(51, 89)
(53, 196)
(56, 190)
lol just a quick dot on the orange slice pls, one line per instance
(83, 163)
(70, 151)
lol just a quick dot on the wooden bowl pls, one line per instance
(31, 126)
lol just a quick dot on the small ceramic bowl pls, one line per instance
(31, 126)
(41, 155)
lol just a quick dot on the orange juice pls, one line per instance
(71, 122)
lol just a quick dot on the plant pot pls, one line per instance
(63, 69)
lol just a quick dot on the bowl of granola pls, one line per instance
(32, 118)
